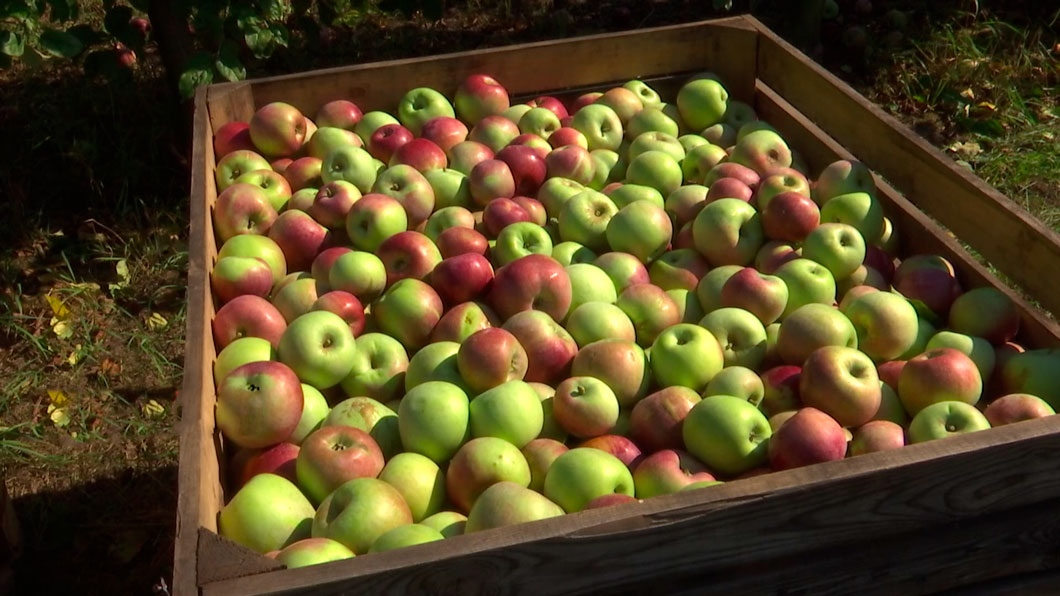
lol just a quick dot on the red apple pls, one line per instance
(387, 139)
(278, 459)
(300, 237)
(408, 254)
(550, 349)
(807, 438)
(462, 278)
(344, 304)
(527, 167)
(790, 216)
(458, 241)
(621, 447)
(445, 132)
(491, 357)
(259, 404)
(333, 455)
(729, 188)
(248, 316)
(462, 320)
(655, 422)
(421, 154)
(234, 136)
(500, 213)
(531, 282)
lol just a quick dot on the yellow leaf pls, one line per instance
(968, 93)
(153, 409)
(62, 329)
(58, 308)
(59, 416)
(58, 398)
(987, 105)
(156, 321)
(74, 356)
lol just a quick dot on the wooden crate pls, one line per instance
(923, 518)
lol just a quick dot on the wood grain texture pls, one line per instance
(781, 515)
(726, 46)
(1005, 234)
(918, 233)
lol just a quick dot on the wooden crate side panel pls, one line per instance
(233, 102)
(848, 502)
(726, 46)
(917, 232)
(1004, 233)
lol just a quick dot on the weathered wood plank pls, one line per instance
(1005, 234)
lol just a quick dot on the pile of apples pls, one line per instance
(477, 314)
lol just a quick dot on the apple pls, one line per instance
(764, 296)
(655, 118)
(656, 141)
(728, 434)
(294, 295)
(583, 474)
(461, 321)
(313, 551)
(339, 113)
(236, 276)
(1035, 372)
(444, 218)
(420, 105)
(808, 282)
(359, 273)
(702, 103)
(386, 140)
(859, 210)
(434, 420)
(886, 324)
(500, 213)
(843, 177)
(276, 187)
(945, 419)
(370, 122)
(809, 437)
(585, 407)
(539, 121)
(435, 362)
(370, 416)
(985, 312)
(448, 523)
(519, 240)
(738, 114)
(656, 420)
(358, 512)
(534, 208)
(300, 237)
(1016, 407)
(624, 269)
(267, 514)
(242, 209)
(328, 138)
(790, 216)
(708, 291)
(762, 151)
(479, 96)
(584, 218)
(278, 129)
(668, 471)
(601, 126)
(687, 355)
(247, 316)
(302, 199)
(740, 334)
(641, 228)
(421, 154)
(463, 157)
(730, 188)
(728, 232)
(491, 357)
(352, 164)
(539, 454)
(457, 241)
(555, 192)
(839, 247)
(700, 161)
(408, 311)
(877, 435)
(678, 269)
(938, 375)
(403, 536)
(779, 181)
(332, 455)
(240, 352)
(481, 463)
(302, 173)
(461, 278)
(738, 381)
(445, 132)
(617, 445)
(495, 132)
(378, 370)
(621, 364)
(572, 162)
(450, 186)
(594, 321)
(233, 136)
(650, 308)
(318, 346)
(408, 255)
(508, 503)
(728, 169)
(550, 349)
(644, 92)
(511, 411)
(373, 219)
(688, 307)
(841, 382)
(531, 282)
(419, 480)
(566, 135)
(259, 404)
(780, 386)
(929, 280)
(233, 165)
(491, 179)
(409, 187)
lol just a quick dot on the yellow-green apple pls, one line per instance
(247, 316)
(550, 349)
(701, 160)
(886, 324)
(808, 281)
(777, 420)
(710, 286)
(641, 228)
(491, 357)
(594, 321)
(650, 308)
(729, 188)
(327, 138)
(668, 471)
(508, 503)
(643, 91)
(843, 177)
(891, 407)
(728, 169)
(535, 142)
(352, 164)
(434, 420)
(539, 454)
(762, 151)
(728, 232)
(740, 334)
(754, 126)
(809, 437)
(495, 132)
(584, 218)
(764, 296)
(339, 113)
(419, 480)
(572, 162)
(461, 278)
(481, 463)
(656, 118)
(268, 513)
(621, 364)
(567, 135)
(259, 404)
(303, 172)
(779, 181)
(233, 136)
(370, 122)
(601, 126)
(687, 305)
(728, 434)
(862, 276)
(738, 114)
(457, 241)
(655, 422)
(531, 282)
(319, 347)
(402, 536)
(240, 352)
(583, 474)
(302, 199)
(479, 96)
(242, 208)
(656, 141)
(344, 304)
(233, 165)
(373, 219)
(555, 192)
(702, 103)
(435, 361)
(278, 129)
(623, 101)
(511, 411)
(841, 382)
(608, 166)
(1016, 407)
(687, 355)
(370, 416)
(490, 179)
(516, 112)
(539, 121)
(929, 282)
(790, 217)
(678, 269)
(686, 202)
(860, 210)
(811, 327)
(720, 134)
(738, 381)
(359, 273)
(500, 213)
(450, 186)
(420, 105)
(236, 276)
(408, 311)
(276, 188)
(359, 512)
(333, 455)
(1034, 371)
(550, 429)
(945, 419)
(624, 269)
(294, 295)
(463, 157)
(461, 321)
(839, 247)
(519, 240)
(300, 237)
(585, 407)
(780, 386)
(619, 446)
(589, 283)
(333, 202)
(421, 154)
(408, 254)
(985, 312)
(312, 551)
(444, 218)
(876, 435)
(410, 188)
(386, 140)
(448, 523)
(942, 374)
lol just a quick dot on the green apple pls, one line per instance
(518, 240)
(841, 382)
(1036, 372)
(583, 474)
(628, 193)
(642, 229)
(371, 122)
(813, 326)
(510, 411)
(260, 247)
(687, 305)
(319, 347)
(360, 273)
(268, 513)
(351, 164)
(313, 551)
(647, 95)
(985, 312)
(728, 434)
(859, 210)
(371, 416)
(653, 119)
(738, 381)
(451, 187)
(419, 480)
(650, 308)
(480, 463)
(608, 166)
(728, 232)
(594, 321)
(843, 177)
(379, 365)
(555, 192)
(701, 160)
(945, 419)
(437, 361)
(373, 219)
(539, 121)
(589, 283)
(760, 149)
(886, 324)
(314, 410)
(569, 253)
(808, 282)
(506, 504)
(837, 246)
(741, 335)
(691, 141)
(600, 125)
(403, 536)
(710, 285)
(687, 355)
(657, 169)
(584, 218)
(241, 351)
(434, 420)
(420, 105)
(448, 523)
(702, 103)
(359, 512)
(657, 141)
(550, 429)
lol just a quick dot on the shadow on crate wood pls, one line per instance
(109, 536)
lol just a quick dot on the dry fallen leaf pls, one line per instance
(153, 409)
(156, 321)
